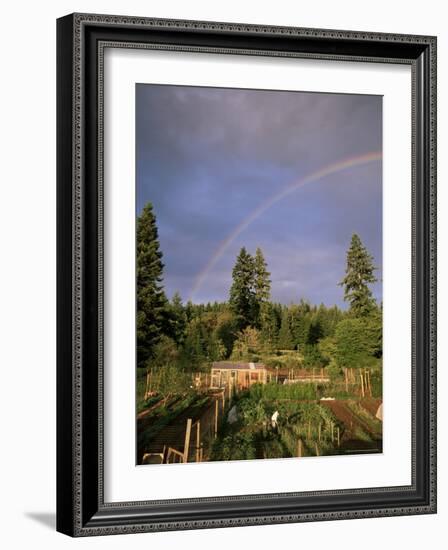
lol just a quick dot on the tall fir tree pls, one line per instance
(262, 282)
(300, 322)
(269, 324)
(359, 274)
(151, 299)
(262, 285)
(177, 318)
(242, 295)
(315, 331)
(285, 337)
(193, 348)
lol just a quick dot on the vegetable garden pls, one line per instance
(305, 425)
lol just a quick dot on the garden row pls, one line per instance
(303, 426)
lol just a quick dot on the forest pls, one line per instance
(178, 341)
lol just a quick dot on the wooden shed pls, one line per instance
(240, 375)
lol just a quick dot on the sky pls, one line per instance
(294, 173)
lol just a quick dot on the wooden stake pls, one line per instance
(369, 382)
(362, 384)
(147, 385)
(216, 417)
(198, 440)
(187, 440)
(346, 379)
(299, 448)
(317, 449)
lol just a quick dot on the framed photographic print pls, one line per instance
(246, 274)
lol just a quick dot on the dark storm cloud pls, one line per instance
(208, 157)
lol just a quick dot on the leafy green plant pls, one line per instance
(272, 391)
(235, 446)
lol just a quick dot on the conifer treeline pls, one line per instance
(250, 326)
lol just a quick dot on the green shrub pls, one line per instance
(235, 446)
(299, 391)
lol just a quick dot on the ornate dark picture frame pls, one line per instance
(81, 509)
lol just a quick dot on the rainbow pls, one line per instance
(288, 190)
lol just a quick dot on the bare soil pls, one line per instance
(351, 443)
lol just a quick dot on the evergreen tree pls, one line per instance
(315, 332)
(269, 324)
(226, 330)
(262, 282)
(358, 341)
(177, 319)
(358, 275)
(328, 319)
(285, 338)
(189, 310)
(193, 349)
(151, 299)
(300, 321)
(262, 285)
(242, 295)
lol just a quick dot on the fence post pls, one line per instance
(147, 384)
(198, 440)
(187, 440)
(369, 382)
(216, 417)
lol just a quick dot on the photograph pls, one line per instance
(246, 273)
(258, 272)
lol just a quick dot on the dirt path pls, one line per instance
(348, 417)
(371, 404)
(148, 410)
(173, 433)
(351, 443)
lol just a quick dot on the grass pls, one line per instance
(362, 435)
(146, 403)
(274, 391)
(375, 425)
(234, 446)
(140, 388)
